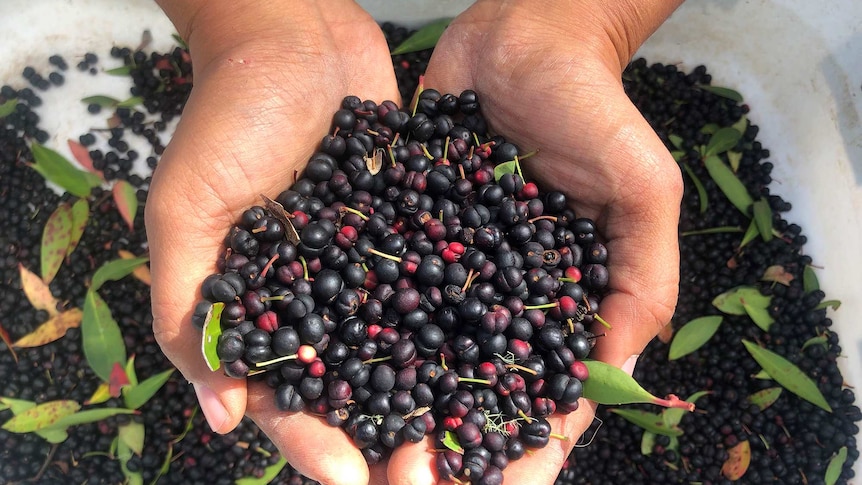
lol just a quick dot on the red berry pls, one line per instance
(267, 321)
(579, 370)
(316, 368)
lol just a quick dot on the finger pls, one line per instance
(413, 464)
(316, 449)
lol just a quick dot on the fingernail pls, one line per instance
(212, 407)
(629, 365)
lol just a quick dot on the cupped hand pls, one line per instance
(267, 77)
(548, 75)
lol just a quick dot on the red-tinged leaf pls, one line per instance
(127, 201)
(37, 292)
(100, 395)
(142, 272)
(777, 274)
(55, 241)
(80, 216)
(41, 416)
(82, 156)
(51, 330)
(738, 459)
(117, 380)
(4, 336)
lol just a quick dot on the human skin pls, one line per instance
(267, 77)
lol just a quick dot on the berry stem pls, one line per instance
(419, 88)
(384, 255)
(545, 218)
(272, 298)
(268, 265)
(518, 167)
(474, 380)
(559, 436)
(564, 279)
(601, 320)
(528, 155)
(391, 154)
(470, 276)
(427, 154)
(277, 360)
(522, 414)
(372, 132)
(443, 362)
(258, 230)
(304, 267)
(571, 325)
(542, 306)
(522, 368)
(446, 149)
(355, 211)
(378, 359)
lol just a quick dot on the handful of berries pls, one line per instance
(412, 283)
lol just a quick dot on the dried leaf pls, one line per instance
(132, 434)
(103, 341)
(8, 107)
(375, 162)
(127, 201)
(37, 291)
(82, 155)
(450, 440)
(777, 274)
(731, 301)
(765, 398)
(115, 270)
(55, 168)
(721, 141)
(117, 380)
(277, 211)
(80, 216)
(424, 38)
(836, 464)
(17, 406)
(834, 304)
(787, 374)
(41, 416)
(738, 459)
(723, 92)
(763, 218)
(729, 184)
(698, 185)
(693, 335)
(53, 329)
(142, 272)
(103, 101)
(809, 280)
(56, 236)
(268, 476)
(4, 336)
(100, 395)
(651, 422)
(137, 395)
(211, 333)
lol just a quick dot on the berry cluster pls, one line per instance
(404, 288)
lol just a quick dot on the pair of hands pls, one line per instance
(268, 75)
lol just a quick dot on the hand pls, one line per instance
(548, 75)
(267, 77)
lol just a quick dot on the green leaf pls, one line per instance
(834, 304)
(137, 395)
(675, 140)
(741, 125)
(8, 107)
(693, 335)
(611, 385)
(750, 234)
(166, 464)
(132, 435)
(89, 416)
(651, 422)
(836, 464)
(762, 375)
(765, 398)
(126, 197)
(710, 128)
(115, 270)
(734, 158)
(787, 374)
(103, 101)
(504, 168)
(190, 424)
(17, 406)
(701, 191)
(450, 440)
(103, 341)
(723, 92)
(55, 168)
(677, 155)
(179, 40)
(211, 333)
(40, 416)
(763, 218)
(809, 280)
(712, 230)
(131, 102)
(53, 435)
(120, 71)
(424, 38)
(647, 443)
(760, 316)
(80, 216)
(130, 371)
(56, 236)
(124, 454)
(729, 184)
(269, 474)
(818, 340)
(731, 301)
(721, 141)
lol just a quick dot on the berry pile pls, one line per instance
(404, 288)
